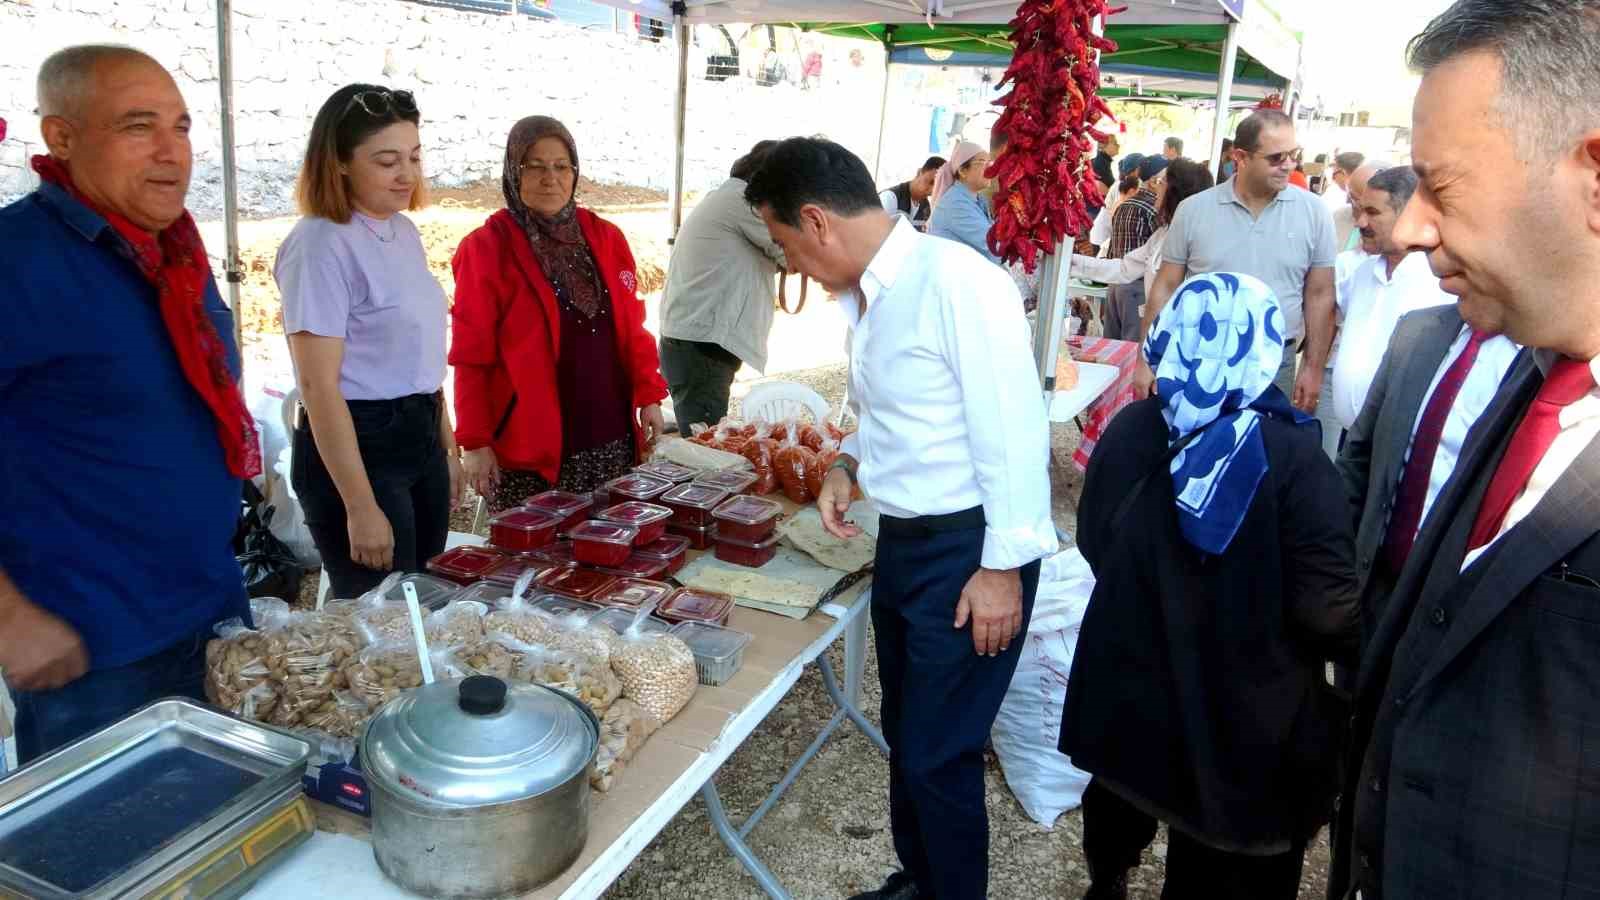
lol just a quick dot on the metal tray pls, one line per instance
(98, 816)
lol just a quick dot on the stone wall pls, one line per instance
(473, 73)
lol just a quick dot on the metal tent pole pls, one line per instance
(883, 105)
(1230, 58)
(233, 271)
(680, 109)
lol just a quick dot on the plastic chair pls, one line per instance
(780, 400)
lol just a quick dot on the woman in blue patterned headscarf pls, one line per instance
(1223, 554)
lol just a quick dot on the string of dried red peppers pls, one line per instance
(1043, 181)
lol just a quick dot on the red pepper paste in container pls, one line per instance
(633, 486)
(579, 584)
(691, 504)
(694, 605)
(734, 481)
(633, 593)
(464, 565)
(745, 518)
(672, 550)
(571, 508)
(648, 518)
(669, 471)
(597, 543)
(698, 538)
(520, 530)
(745, 553)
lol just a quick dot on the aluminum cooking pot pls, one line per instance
(479, 788)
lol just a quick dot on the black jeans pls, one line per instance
(47, 720)
(700, 376)
(939, 703)
(1116, 833)
(399, 443)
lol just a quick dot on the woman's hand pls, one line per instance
(481, 470)
(652, 423)
(371, 538)
(452, 459)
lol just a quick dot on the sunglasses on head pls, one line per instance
(383, 102)
(1278, 159)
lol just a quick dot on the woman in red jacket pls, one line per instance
(557, 382)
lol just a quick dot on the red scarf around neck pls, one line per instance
(175, 262)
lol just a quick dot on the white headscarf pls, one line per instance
(949, 172)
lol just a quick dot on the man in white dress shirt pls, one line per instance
(953, 448)
(1387, 285)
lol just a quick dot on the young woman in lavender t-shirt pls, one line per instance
(375, 459)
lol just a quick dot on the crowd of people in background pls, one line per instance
(1416, 510)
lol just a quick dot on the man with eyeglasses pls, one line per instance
(1255, 224)
(123, 435)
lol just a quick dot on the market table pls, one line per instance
(678, 761)
(1124, 356)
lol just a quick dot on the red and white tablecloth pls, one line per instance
(1125, 356)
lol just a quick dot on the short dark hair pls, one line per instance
(1174, 143)
(1349, 161)
(1185, 178)
(933, 164)
(1247, 136)
(746, 165)
(1549, 51)
(802, 171)
(1227, 144)
(1399, 182)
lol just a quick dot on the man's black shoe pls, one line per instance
(900, 886)
(1112, 889)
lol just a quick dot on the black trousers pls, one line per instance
(399, 443)
(1116, 833)
(699, 376)
(939, 703)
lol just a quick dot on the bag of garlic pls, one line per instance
(657, 671)
(623, 730)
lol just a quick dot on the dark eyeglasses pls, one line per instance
(382, 102)
(1278, 159)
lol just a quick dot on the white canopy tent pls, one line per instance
(1246, 24)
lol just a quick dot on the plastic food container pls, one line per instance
(734, 481)
(619, 620)
(746, 553)
(691, 504)
(571, 508)
(750, 519)
(637, 566)
(602, 543)
(507, 573)
(632, 486)
(432, 593)
(672, 550)
(557, 605)
(669, 471)
(489, 593)
(579, 584)
(464, 565)
(648, 518)
(718, 652)
(694, 605)
(519, 530)
(632, 593)
(698, 538)
(560, 554)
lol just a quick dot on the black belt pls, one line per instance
(924, 526)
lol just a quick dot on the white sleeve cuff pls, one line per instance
(1013, 548)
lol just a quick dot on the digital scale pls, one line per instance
(178, 801)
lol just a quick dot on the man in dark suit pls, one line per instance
(1475, 772)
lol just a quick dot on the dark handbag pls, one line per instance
(268, 565)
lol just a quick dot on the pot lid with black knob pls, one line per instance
(478, 741)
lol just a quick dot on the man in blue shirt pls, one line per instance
(121, 441)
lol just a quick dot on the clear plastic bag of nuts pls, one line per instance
(342, 715)
(383, 671)
(516, 618)
(505, 657)
(459, 623)
(623, 730)
(657, 671)
(242, 675)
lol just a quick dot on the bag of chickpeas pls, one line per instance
(657, 671)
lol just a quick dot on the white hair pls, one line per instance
(67, 74)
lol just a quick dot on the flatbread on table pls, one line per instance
(747, 584)
(804, 530)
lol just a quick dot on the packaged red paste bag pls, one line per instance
(791, 461)
(817, 467)
(811, 437)
(760, 452)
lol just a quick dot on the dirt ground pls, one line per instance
(829, 837)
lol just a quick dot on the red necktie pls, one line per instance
(1569, 380)
(1413, 488)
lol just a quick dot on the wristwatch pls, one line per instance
(843, 465)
